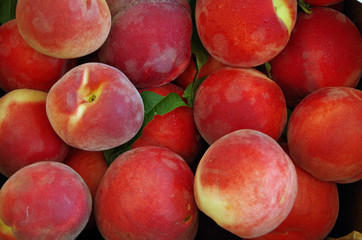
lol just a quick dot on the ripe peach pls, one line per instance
(23, 67)
(324, 134)
(318, 202)
(325, 50)
(26, 135)
(237, 98)
(147, 193)
(245, 33)
(175, 130)
(45, 200)
(150, 42)
(95, 107)
(64, 29)
(246, 183)
(91, 166)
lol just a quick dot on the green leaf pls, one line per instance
(7, 10)
(154, 104)
(304, 6)
(268, 69)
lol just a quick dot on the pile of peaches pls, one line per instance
(179, 119)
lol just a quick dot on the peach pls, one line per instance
(324, 134)
(325, 50)
(150, 41)
(91, 166)
(26, 135)
(95, 107)
(64, 29)
(314, 212)
(147, 193)
(246, 183)
(23, 67)
(245, 33)
(238, 98)
(323, 2)
(45, 200)
(175, 130)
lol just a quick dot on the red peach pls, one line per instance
(23, 67)
(147, 193)
(26, 135)
(246, 183)
(238, 98)
(45, 200)
(324, 50)
(91, 166)
(245, 33)
(175, 130)
(95, 107)
(324, 134)
(323, 2)
(64, 29)
(314, 212)
(150, 42)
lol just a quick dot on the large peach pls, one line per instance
(325, 50)
(246, 183)
(23, 67)
(45, 200)
(175, 130)
(147, 193)
(238, 98)
(324, 134)
(150, 41)
(64, 28)
(245, 33)
(95, 107)
(26, 135)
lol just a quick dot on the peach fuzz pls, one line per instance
(324, 50)
(23, 67)
(230, 99)
(91, 166)
(246, 183)
(95, 107)
(245, 33)
(64, 28)
(26, 135)
(38, 203)
(147, 193)
(175, 130)
(150, 42)
(314, 212)
(324, 134)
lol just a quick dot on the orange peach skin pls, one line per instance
(246, 183)
(95, 107)
(245, 33)
(324, 134)
(23, 67)
(230, 99)
(91, 166)
(64, 28)
(175, 130)
(45, 200)
(147, 193)
(26, 135)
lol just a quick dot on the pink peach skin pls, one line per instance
(246, 183)
(64, 28)
(230, 99)
(95, 107)
(150, 42)
(45, 200)
(325, 50)
(245, 33)
(147, 193)
(324, 134)
(23, 67)
(26, 135)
